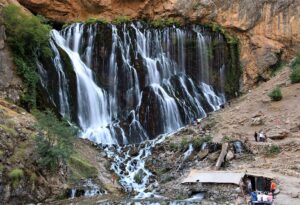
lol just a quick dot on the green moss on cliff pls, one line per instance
(81, 168)
(28, 37)
(233, 70)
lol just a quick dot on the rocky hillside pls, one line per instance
(268, 29)
(22, 180)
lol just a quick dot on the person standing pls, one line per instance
(255, 136)
(273, 188)
(249, 186)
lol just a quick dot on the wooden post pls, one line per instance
(222, 156)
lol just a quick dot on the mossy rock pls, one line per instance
(81, 168)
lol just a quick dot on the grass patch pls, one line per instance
(273, 150)
(81, 168)
(173, 147)
(16, 176)
(275, 94)
(9, 130)
(198, 141)
(183, 144)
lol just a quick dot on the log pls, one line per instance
(222, 156)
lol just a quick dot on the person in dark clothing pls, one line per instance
(255, 136)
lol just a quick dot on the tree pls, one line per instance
(54, 141)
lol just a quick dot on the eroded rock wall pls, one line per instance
(267, 29)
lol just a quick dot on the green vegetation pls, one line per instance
(138, 177)
(275, 94)
(198, 141)
(296, 62)
(273, 150)
(28, 38)
(227, 139)
(278, 66)
(295, 74)
(81, 168)
(121, 19)
(8, 130)
(16, 176)
(95, 20)
(54, 140)
(173, 147)
(234, 69)
(184, 143)
(161, 23)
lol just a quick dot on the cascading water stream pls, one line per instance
(134, 83)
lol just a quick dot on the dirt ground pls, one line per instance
(254, 112)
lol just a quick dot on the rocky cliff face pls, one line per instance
(10, 84)
(268, 29)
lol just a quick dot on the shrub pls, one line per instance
(54, 140)
(296, 61)
(295, 75)
(139, 176)
(275, 94)
(184, 143)
(197, 142)
(16, 175)
(273, 150)
(28, 36)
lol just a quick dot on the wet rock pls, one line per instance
(202, 154)
(134, 151)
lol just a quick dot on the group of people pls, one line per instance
(268, 195)
(260, 136)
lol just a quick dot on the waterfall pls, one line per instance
(133, 82)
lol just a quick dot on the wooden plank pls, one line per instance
(222, 156)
